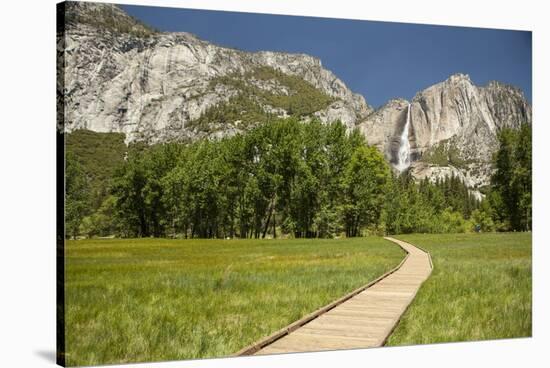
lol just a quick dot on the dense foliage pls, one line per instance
(77, 198)
(445, 206)
(509, 201)
(99, 154)
(284, 178)
(91, 161)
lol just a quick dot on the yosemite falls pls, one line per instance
(404, 153)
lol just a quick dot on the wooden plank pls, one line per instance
(369, 310)
(354, 320)
(343, 331)
(270, 349)
(300, 342)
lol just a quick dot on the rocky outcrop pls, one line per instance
(422, 170)
(150, 85)
(454, 124)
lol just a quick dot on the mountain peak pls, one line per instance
(454, 81)
(459, 77)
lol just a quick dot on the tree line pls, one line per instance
(509, 200)
(288, 178)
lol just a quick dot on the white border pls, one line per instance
(27, 179)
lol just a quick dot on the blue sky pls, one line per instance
(379, 60)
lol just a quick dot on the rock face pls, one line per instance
(453, 126)
(118, 75)
(383, 127)
(150, 85)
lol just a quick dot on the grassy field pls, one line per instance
(480, 289)
(154, 299)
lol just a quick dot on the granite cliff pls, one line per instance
(152, 86)
(453, 127)
(119, 75)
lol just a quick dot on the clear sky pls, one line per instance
(376, 59)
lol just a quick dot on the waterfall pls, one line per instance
(404, 153)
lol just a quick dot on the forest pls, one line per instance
(282, 179)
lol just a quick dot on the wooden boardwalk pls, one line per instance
(362, 320)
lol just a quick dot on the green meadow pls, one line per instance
(160, 299)
(480, 289)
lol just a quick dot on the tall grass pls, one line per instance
(480, 289)
(157, 299)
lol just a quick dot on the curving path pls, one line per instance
(361, 320)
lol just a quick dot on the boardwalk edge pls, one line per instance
(414, 296)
